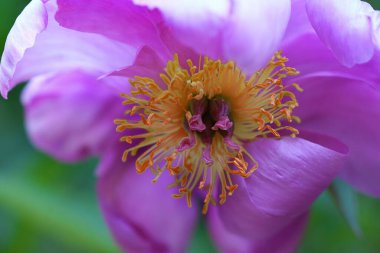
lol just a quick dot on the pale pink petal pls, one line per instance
(298, 24)
(147, 64)
(142, 216)
(350, 113)
(285, 241)
(291, 175)
(254, 32)
(141, 23)
(375, 19)
(117, 19)
(32, 21)
(246, 32)
(348, 28)
(58, 48)
(70, 114)
(312, 58)
(197, 24)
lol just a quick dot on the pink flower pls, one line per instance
(79, 54)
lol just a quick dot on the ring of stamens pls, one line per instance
(197, 118)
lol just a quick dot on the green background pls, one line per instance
(47, 206)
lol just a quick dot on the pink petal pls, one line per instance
(347, 29)
(294, 167)
(285, 241)
(197, 24)
(150, 63)
(254, 32)
(291, 175)
(298, 23)
(147, 63)
(347, 110)
(375, 19)
(323, 140)
(31, 22)
(70, 115)
(243, 31)
(142, 216)
(117, 19)
(312, 58)
(57, 48)
(123, 21)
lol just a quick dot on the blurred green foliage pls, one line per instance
(47, 206)
(375, 4)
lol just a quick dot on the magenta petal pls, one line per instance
(375, 19)
(124, 21)
(29, 24)
(311, 57)
(147, 64)
(308, 54)
(116, 19)
(323, 140)
(57, 48)
(243, 31)
(291, 175)
(350, 113)
(70, 115)
(347, 29)
(196, 24)
(142, 216)
(298, 23)
(285, 241)
(161, 29)
(254, 31)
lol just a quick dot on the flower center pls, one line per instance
(197, 119)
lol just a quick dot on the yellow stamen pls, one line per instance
(258, 106)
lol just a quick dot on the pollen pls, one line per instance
(196, 120)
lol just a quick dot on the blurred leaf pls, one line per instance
(74, 222)
(375, 4)
(201, 241)
(23, 239)
(328, 232)
(345, 199)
